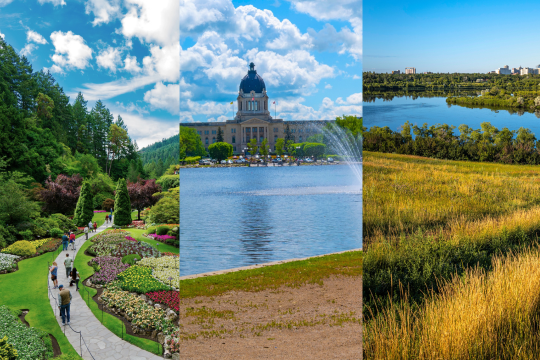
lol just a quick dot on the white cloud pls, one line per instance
(329, 10)
(165, 97)
(32, 36)
(114, 88)
(104, 10)
(54, 2)
(70, 50)
(351, 99)
(328, 86)
(56, 69)
(4, 3)
(109, 58)
(27, 49)
(222, 118)
(356, 77)
(194, 13)
(294, 109)
(164, 62)
(152, 21)
(131, 65)
(2, 35)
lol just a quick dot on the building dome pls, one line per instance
(252, 81)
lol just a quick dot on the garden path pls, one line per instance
(103, 344)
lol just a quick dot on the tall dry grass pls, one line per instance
(402, 194)
(478, 316)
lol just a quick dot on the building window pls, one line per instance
(206, 141)
(256, 105)
(248, 138)
(248, 130)
(261, 138)
(234, 139)
(275, 138)
(276, 130)
(293, 130)
(300, 138)
(265, 105)
(199, 132)
(234, 148)
(213, 140)
(261, 130)
(214, 132)
(233, 131)
(254, 129)
(300, 130)
(206, 132)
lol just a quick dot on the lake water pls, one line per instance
(232, 217)
(435, 110)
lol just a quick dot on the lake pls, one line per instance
(434, 110)
(232, 217)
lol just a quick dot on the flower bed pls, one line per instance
(169, 298)
(102, 248)
(130, 238)
(109, 268)
(139, 279)
(51, 245)
(166, 269)
(35, 243)
(172, 342)
(161, 238)
(26, 340)
(7, 261)
(169, 254)
(141, 248)
(136, 310)
(112, 236)
(100, 211)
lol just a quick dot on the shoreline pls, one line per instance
(259, 165)
(257, 266)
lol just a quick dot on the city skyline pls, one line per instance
(447, 37)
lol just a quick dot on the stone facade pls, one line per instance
(253, 120)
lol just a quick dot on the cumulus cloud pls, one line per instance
(70, 50)
(356, 77)
(32, 36)
(4, 3)
(54, 2)
(109, 58)
(294, 109)
(131, 65)
(104, 10)
(351, 99)
(152, 21)
(27, 49)
(165, 97)
(164, 62)
(328, 86)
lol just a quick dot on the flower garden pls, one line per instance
(139, 283)
(23, 249)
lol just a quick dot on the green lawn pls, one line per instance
(137, 234)
(293, 274)
(110, 322)
(27, 289)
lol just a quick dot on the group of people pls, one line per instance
(68, 239)
(65, 294)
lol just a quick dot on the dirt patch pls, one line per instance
(309, 322)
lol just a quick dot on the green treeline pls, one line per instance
(500, 98)
(158, 157)
(439, 141)
(386, 82)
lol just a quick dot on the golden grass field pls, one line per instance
(429, 213)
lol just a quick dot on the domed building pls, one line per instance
(253, 120)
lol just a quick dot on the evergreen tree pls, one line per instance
(84, 212)
(122, 205)
(219, 134)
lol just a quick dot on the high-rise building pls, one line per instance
(410, 70)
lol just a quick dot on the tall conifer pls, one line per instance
(122, 205)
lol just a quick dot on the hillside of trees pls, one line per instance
(158, 157)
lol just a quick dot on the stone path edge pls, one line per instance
(257, 266)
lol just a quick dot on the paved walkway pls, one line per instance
(103, 344)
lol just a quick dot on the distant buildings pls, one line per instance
(516, 71)
(410, 70)
(396, 72)
(428, 72)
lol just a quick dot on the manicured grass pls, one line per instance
(293, 274)
(27, 289)
(110, 322)
(137, 234)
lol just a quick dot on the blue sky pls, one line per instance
(449, 36)
(123, 52)
(308, 52)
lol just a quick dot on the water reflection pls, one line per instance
(256, 230)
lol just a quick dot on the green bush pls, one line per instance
(122, 205)
(27, 234)
(27, 341)
(63, 221)
(85, 206)
(173, 242)
(150, 230)
(162, 230)
(107, 204)
(7, 351)
(131, 259)
(173, 232)
(169, 181)
(100, 198)
(43, 225)
(56, 232)
(92, 252)
(22, 248)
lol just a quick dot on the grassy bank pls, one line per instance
(477, 316)
(293, 274)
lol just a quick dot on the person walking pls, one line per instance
(68, 262)
(90, 225)
(72, 240)
(86, 231)
(95, 226)
(65, 302)
(111, 214)
(54, 274)
(75, 278)
(65, 240)
(107, 218)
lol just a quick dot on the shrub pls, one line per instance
(43, 225)
(84, 212)
(6, 237)
(27, 234)
(150, 230)
(162, 230)
(169, 181)
(63, 221)
(131, 259)
(7, 351)
(107, 204)
(26, 340)
(56, 232)
(21, 248)
(122, 205)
